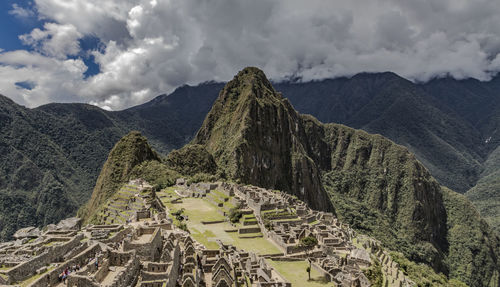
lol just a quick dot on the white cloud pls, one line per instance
(21, 12)
(55, 40)
(153, 46)
(51, 79)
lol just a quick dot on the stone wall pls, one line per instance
(245, 230)
(52, 254)
(52, 277)
(156, 267)
(154, 276)
(174, 271)
(141, 214)
(118, 236)
(150, 250)
(129, 276)
(160, 283)
(81, 281)
(102, 271)
(119, 258)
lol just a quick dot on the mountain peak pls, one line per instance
(256, 137)
(249, 82)
(251, 74)
(129, 151)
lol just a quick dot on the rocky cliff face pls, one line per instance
(388, 179)
(258, 138)
(132, 150)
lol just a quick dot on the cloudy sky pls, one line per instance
(119, 53)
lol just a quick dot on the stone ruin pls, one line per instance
(148, 250)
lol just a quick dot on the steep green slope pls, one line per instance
(389, 182)
(382, 190)
(130, 151)
(192, 159)
(39, 183)
(486, 193)
(474, 251)
(402, 111)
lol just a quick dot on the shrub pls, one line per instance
(235, 215)
(308, 241)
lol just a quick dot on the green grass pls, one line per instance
(52, 243)
(220, 194)
(295, 272)
(199, 210)
(31, 240)
(228, 205)
(250, 235)
(206, 238)
(258, 245)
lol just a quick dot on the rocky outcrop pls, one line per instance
(27, 232)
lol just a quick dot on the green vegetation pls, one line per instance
(296, 273)
(445, 123)
(422, 274)
(235, 215)
(51, 156)
(238, 130)
(156, 173)
(207, 238)
(199, 210)
(469, 239)
(486, 193)
(374, 273)
(276, 214)
(474, 247)
(33, 278)
(130, 151)
(308, 241)
(190, 160)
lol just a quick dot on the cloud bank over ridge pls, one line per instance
(148, 47)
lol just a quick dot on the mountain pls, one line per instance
(402, 111)
(129, 152)
(47, 164)
(451, 126)
(254, 136)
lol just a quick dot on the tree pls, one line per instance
(308, 243)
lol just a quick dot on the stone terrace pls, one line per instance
(138, 244)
